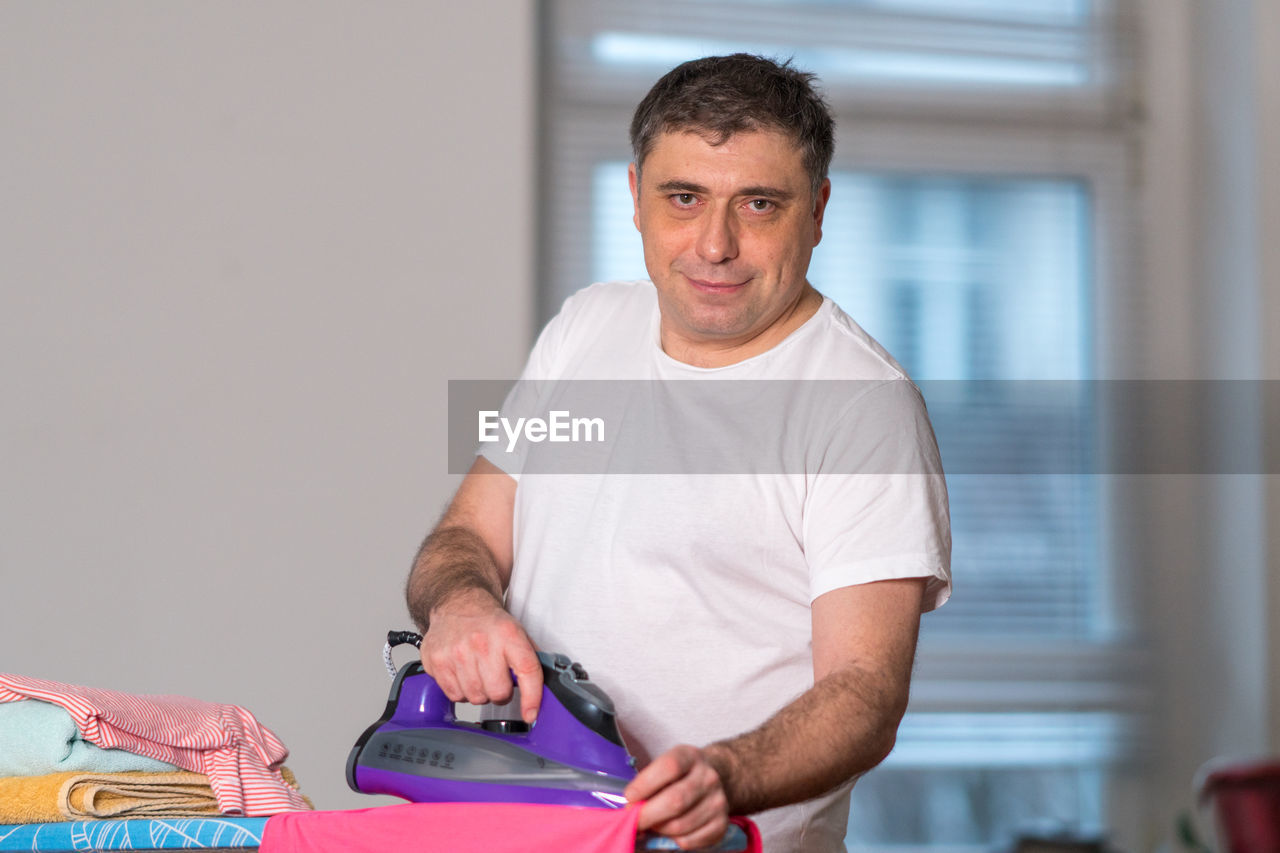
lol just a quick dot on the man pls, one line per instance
(755, 632)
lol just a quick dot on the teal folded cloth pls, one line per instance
(39, 737)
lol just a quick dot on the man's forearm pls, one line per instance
(451, 560)
(844, 725)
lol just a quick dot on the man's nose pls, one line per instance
(718, 241)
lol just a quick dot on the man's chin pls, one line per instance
(716, 329)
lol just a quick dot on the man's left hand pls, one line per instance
(684, 796)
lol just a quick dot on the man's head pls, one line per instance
(719, 96)
(729, 186)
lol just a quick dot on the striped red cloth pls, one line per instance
(241, 757)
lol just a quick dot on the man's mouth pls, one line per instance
(708, 286)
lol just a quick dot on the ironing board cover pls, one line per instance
(187, 833)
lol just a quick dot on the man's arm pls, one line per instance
(470, 644)
(864, 640)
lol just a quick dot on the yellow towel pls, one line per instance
(136, 795)
(76, 795)
(32, 799)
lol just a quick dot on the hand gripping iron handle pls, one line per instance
(567, 681)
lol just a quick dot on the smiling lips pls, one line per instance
(715, 286)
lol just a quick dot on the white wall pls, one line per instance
(1211, 200)
(1266, 40)
(243, 246)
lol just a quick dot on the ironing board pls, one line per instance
(214, 833)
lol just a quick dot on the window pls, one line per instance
(977, 228)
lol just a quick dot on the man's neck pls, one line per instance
(722, 353)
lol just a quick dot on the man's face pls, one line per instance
(728, 231)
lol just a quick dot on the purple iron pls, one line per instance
(572, 754)
(420, 751)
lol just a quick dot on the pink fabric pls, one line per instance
(240, 756)
(454, 828)
(463, 828)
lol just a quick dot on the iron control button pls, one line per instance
(578, 672)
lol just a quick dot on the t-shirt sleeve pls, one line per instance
(877, 508)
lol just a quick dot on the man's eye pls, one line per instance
(760, 205)
(684, 199)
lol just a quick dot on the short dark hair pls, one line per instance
(718, 96)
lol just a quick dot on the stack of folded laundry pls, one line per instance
(70, 753)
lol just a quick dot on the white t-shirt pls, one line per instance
(687, 595)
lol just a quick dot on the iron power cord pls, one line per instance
(398, 638)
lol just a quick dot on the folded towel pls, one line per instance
(241, 757)
(79, 796)
(129, 795)
(39, 737)
(31, 799)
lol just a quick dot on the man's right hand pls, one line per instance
(473, 647)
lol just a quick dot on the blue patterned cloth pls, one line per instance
(183, 833)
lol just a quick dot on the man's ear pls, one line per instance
(633, 180)
(819, 208)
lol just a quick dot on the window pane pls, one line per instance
(966, 280)
(980, 779)
(997, 45)
(998, 266)
(616, 252)
(1060, 10)
(849, 64)
(978, 807)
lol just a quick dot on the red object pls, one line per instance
(461, 828)
(754, 844)
(241, 757)
(1246, 806)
